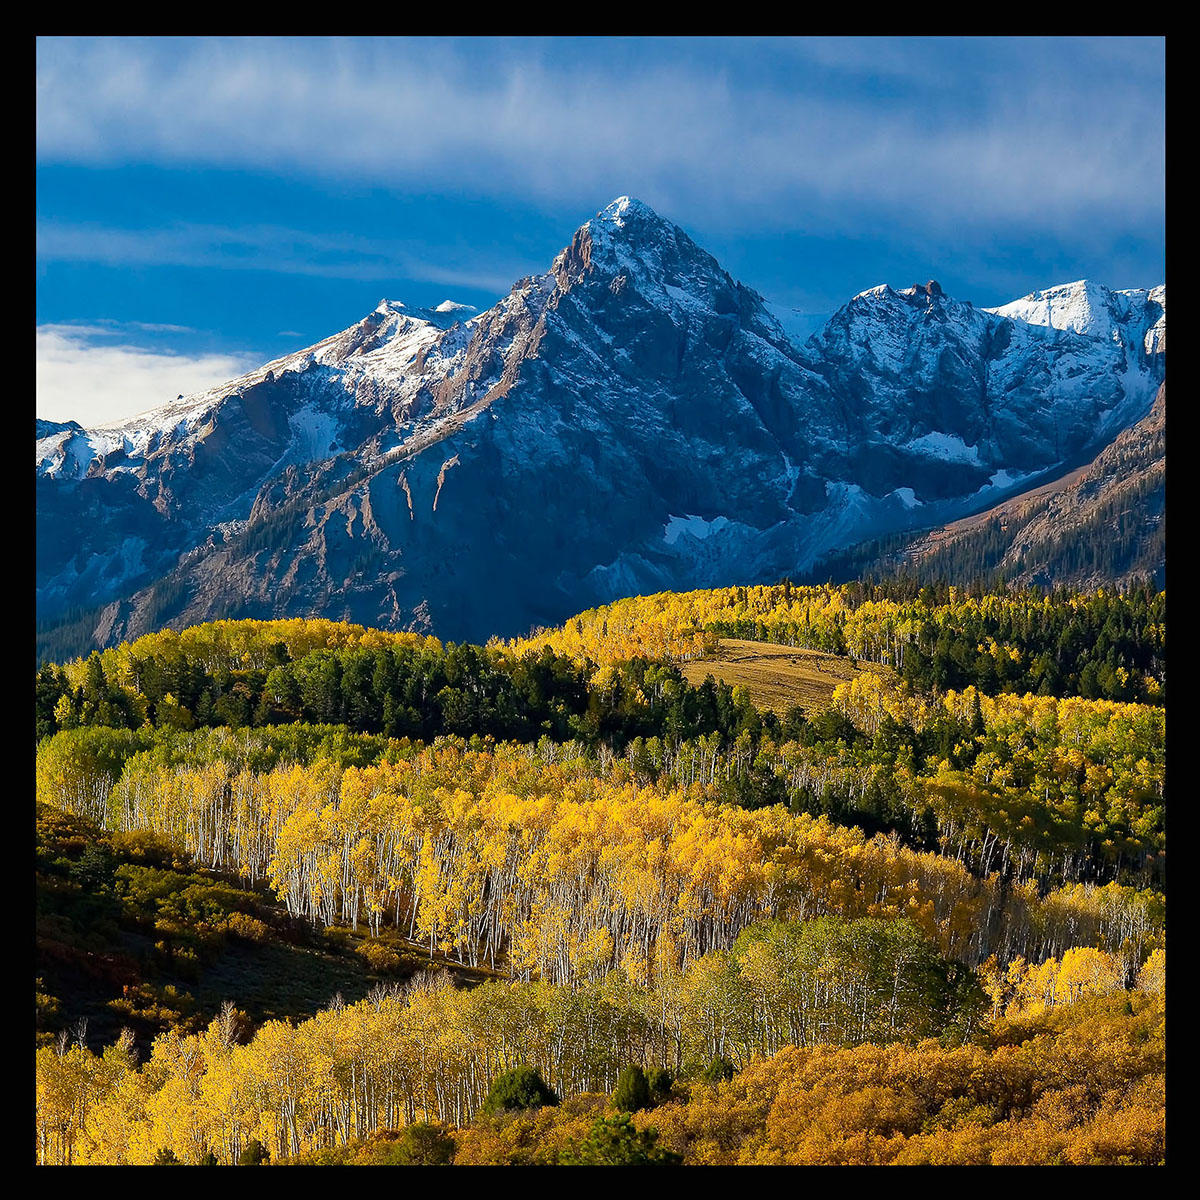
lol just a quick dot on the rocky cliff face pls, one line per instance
(630, 421)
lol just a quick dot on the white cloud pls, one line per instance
(984, 130)
(84, 376)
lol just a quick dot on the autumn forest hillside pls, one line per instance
(845, 874)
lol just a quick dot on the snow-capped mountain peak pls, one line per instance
(625, 207)
(1083, 307)
(631, 420)
(1134, 317)
(631, 231)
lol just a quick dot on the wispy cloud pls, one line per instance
(95, 374)
(934, 131)
(267, 248)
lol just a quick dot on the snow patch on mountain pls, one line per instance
(315, 434)
(1003, 481)
(943, 446)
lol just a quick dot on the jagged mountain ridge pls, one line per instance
(631, 420)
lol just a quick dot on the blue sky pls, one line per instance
(206, 204)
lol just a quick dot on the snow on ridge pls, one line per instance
(615, 212)
(1082, 307)
(613, 216)
(409, 333)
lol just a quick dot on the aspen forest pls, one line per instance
(317, 894)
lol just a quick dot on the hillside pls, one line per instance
(132, 934)
(568, 864)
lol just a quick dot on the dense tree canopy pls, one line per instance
(921, 921)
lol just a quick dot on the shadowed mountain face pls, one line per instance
(1103, 524)
(632, 420)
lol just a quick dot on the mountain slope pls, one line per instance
(630, 421)
(1106, 525)
(1102, 524)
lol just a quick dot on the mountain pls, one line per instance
(1103, 524)
(630, 421)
